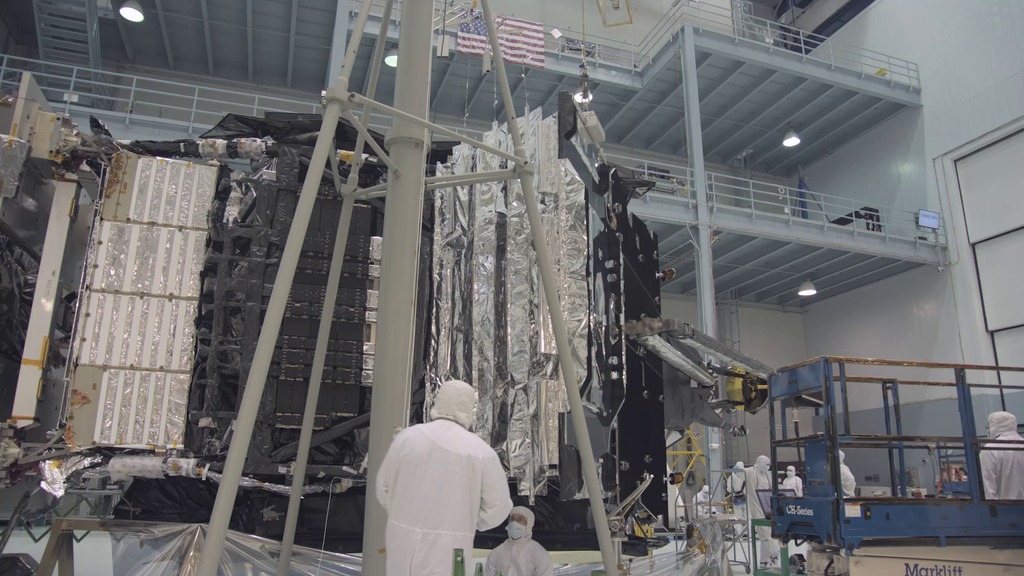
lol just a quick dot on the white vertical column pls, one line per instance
(705, 277)
(399, 274)
(337, 57)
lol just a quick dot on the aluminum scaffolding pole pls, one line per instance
(245, 421)
(331, 296)
(705, 277)
(546, 268)
(399, 275)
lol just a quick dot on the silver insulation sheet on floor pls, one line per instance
(142, 292)
(156, 549)
(490, 325)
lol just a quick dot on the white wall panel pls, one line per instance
(910, 316)
(971, 59)
(1002, 277)
(992, 187)
(1010, 349)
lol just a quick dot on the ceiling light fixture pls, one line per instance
(791, 139)
(583, 95)
(391, 58)
(131, 11)
(807, 289)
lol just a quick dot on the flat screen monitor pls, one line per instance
(928, 219)
(765, 498)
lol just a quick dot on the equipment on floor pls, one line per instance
(844, 531)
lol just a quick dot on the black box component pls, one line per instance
(238, 278)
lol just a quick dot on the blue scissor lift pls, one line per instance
(844, 525)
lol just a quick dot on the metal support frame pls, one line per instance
(705, 278)
(44, 303)
(407, 143)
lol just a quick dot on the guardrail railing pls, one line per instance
(704, 15)
(196, 108)
(764, 199)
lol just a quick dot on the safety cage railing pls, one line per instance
(923, 418)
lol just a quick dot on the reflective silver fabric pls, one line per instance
(490, 324)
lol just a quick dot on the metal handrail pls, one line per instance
(703, 15)
(765, 199)
(775, 36)
(199, 107)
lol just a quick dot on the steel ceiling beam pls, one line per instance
(659, 105)
(844, 270)
(820, 141)
(671, 240)
(291, 41)
(857, 278)
(643, 121)
(440, 85)
(515, 92)
(248, 33)
(740, 267)
(807, 256)
(777, 130)
(476, 91)
(206, 34)
(558, 88)
(725, 260)
(728, 77)
(93, 33)
(660, 64)
(163, 32)
(753, 123)
(810, 274)
(741, 101)
(128, 50)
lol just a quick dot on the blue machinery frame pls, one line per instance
(823, 517)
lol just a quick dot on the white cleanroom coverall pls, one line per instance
(1002, 471)
(760, 478)
(700, 501)
(440, 483)
(846, 477)
(793, 482)
(520, 555)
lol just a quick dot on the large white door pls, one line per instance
(992, 192)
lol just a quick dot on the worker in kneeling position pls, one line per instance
(520, 555)
(440, 483)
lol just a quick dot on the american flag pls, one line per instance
(521, 42)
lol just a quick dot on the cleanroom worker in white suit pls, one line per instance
(1002, 471)
(700, 501)
(440, 483)
(760, 478)
(846, 477)
(520, 555)
(793, 482)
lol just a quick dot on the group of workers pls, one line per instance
(468, 491)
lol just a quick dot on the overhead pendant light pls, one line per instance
(131, 11)
(391, 58)
(807, 289)
(583, 95)
(791, 139)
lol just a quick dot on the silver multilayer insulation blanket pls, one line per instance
(490, 324)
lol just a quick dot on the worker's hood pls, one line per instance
(842, 457)
(455, 401)
(790, 471)
(1000, 423)
(739, 466)
(706, 489)
(530, 520)
(762, 464)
